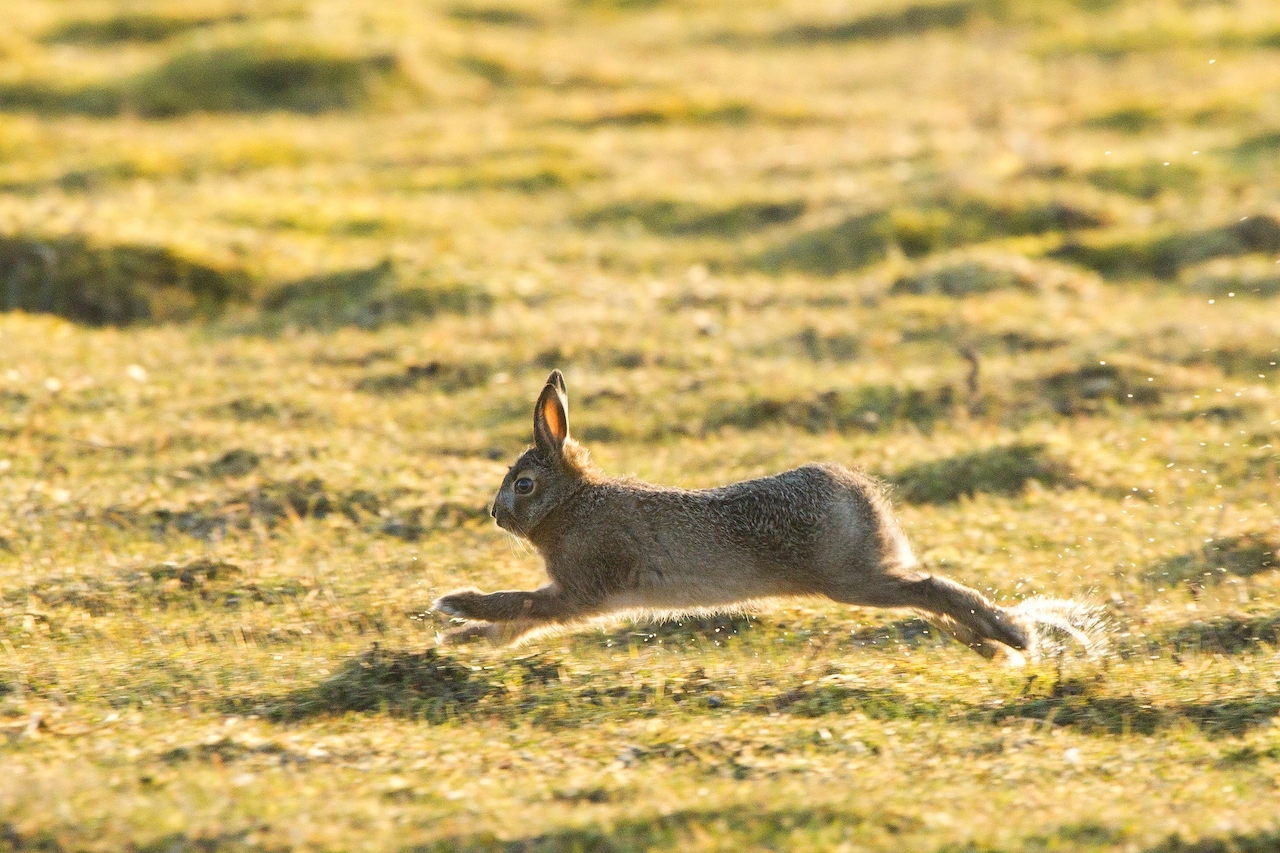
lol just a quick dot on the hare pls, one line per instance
(613, 545)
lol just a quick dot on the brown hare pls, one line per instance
(614, 545)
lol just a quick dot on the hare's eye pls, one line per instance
(524, 485)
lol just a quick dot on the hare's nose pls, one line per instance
(493, 510)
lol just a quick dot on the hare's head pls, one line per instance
(547, 473)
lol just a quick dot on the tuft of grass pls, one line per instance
(868, 409)
(687, 219)
(367, 298)
(1091, 387)
(1147, 180)
(260, 77)
(962, 279)
(115, 285)
(866, 238)
(502, 16)
(1165, 257)
(999, 470)
(251, 78)
(131, 27)
(1133, 119)
(910, 21)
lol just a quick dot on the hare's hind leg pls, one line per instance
(965, 613)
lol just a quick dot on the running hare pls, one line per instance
(615, 545)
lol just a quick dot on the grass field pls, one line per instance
(282, 279)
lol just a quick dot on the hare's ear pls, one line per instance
(551, 416)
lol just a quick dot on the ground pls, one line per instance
(282, 281)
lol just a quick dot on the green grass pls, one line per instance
(279, 283)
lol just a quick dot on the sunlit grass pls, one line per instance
(281, 280)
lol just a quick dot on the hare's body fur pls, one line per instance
(614, 545)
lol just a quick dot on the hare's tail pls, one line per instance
(1054, 624)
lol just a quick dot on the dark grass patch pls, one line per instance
(259, 78)
(435, 375)
(1147, 180)
(1091, 388)
(366, 298)
(127, 27)
(1229, 635)
(739, 827)
(1134, 119)
(687, 219)
(962, 279)
(865, 409)
(864, 239)
(495, 71)
(671, 111)
(1086, 706)
(429, 686)
(1255, 286)
(1255, 149)
(911, 21)
(1164, 257)
(1000, 470)
(834, 346)
(268, 504)
(1241, 556)
(111, 285)
(194, 585)
(501, 16)
(244, 79)
(1238, 360)
(234, 463)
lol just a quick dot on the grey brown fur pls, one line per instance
(615, 545)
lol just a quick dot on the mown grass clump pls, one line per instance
(912, 20)
(663, 111)
(504, 16)
(1091, 387)
(437, 375)
(688, 219)
(115, 285)
(962, 279)
(259, 78)
(1165, 257)
(245, 78)
(1133, 119)
(131, 26)
(1147, 180)
(1242, 556)
(1000, 470)
(870, 409)
(367, 298)
(930, 227)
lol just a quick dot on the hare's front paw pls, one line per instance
(460, 605)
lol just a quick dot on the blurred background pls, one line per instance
(280, 281)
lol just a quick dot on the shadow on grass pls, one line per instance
(686, 219)
(913, 20)
(1163, 258)
(246, 78)
(435, 687)
(920, 230)
(1137, 118)
(110, 285)
(1000, 470)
